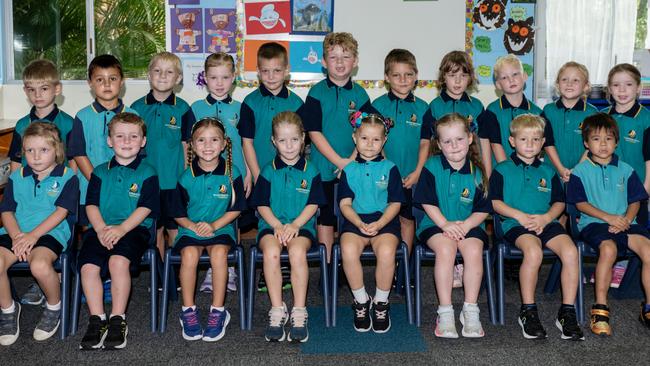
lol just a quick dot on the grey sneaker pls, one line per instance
(446, 324)
(277, 319)
(298, 331)
(232, 280)
(33, 296)
(48, 324)
(471, 321)
(10, 326)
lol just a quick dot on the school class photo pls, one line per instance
(324, 181)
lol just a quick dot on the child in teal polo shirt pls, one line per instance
(166, 149)
(122, 204)
(408, 146)
(563, 131)
(452, 191)
(528, 196)
(326, 115)
(38, 209)
(87, 142)
(42, 86)
(207, 201)
(494, 123)
(287, 195)
(607, 192)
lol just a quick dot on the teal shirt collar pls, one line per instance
(219, 170)
(331, 84)
(171, 99)
(100, 108)
(446, 98)
(359, 159)
(50, 117)
(632, 112)
(132, 165)
(284, 92)
(56, 172)
(580, 105)
(519, 162)
(613, 162)
(465, 169)
(211, 100)
(505, 104)
(409, 98)
(279, 164)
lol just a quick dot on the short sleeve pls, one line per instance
(316, 193)
(94, 190)
(575, 192)
(496, 186)
(368, 108)
(646, 145)
(261, 192)
(187, 122)
(178, 201)
(8, 203)
(246, 124)
(481, 202)
(343, 189)
(77, 141)
(488, 127)
(635, 190)
(311, 114)
(240, 196)
(395, 188)
(549, 140)
(150, 196)
(557, 190)
(69, 197)
(425, 191)
(428, 122)
(16, 147)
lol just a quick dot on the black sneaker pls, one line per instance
(362, 321)
(531, 327)
(380, 317)
(567, 322)
(116, 334)
(644, 317)
(95, 334)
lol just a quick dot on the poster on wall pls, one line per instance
(220, 30)
(312, 17)
(499, 27)
(267, 17)
(187, 30)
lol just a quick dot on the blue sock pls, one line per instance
(646, 308)
(532, 306)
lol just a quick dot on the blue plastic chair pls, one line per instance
(173, 257)
(150, 260)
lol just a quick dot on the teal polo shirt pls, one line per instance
(59, 118)
(228, 112)
(372, 185)
(457, 193)
(468, 107)
(88, 137)
(532, 189)
(327, 109)
(118, 190)
(33, 201)
(610, 188)
(286, 190)
(165, 135)
(403, 144)
(564, 129)
(257, 112)
(494, 123)
(633, 146)
(203, 196)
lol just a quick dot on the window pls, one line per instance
(57, 30)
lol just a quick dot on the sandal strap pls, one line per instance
(600, 312)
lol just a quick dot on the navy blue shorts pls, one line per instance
(594, 234)
(302, 232)
(166, 220)
(477, 233)
(326, 216)
(131, 246)
(188, 241)
(45, 241)
(406, 209)
(393, 227)
(550, 231)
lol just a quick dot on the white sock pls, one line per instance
(193, 307)
(361, 295)
(123, 316)
(381, 295)
(102, 316)
(445, 308)
(55, 307)
(466, 304)
(10, 309)
(218, 308)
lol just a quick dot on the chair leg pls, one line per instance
(324, 280)
(165, 291)
(500, 284)
(76, 303)
(251, 286)
(65, 296)
(418, 285)
(407, 278)
(336, 255)
(153, 273)
(243, 320)
(489, 283)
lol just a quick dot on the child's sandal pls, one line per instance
(600, 320)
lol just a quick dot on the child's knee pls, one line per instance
(533, 254)
(385, 253)
(118, 263)
(569, 255)
(89, 270)
(190, 256)
(40, 266)
(607, 251)
(272, 253)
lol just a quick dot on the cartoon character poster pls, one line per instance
(187, 30)
(312, 17)
(306, 57)
(268, 17)
(500, 27)
(220, 29)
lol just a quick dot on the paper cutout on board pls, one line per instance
(220, 26)
(187, 35)
(268, 18)
(519, 37)
(306, 57)
(312, 16)
(490, 14)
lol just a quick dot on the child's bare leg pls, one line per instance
(445, 249)
(118, 266)
(531, 247)
(219, 263)
(641, 246)
(298, 248)
(563, 247)
(271, 247)
(40, 264)
(351, 248)
(384, 246)
(187, 274)
(407, 229)
(326, 236)
(606, 258)
(91, 282)
(160, 242)
(472, 252)
(7, 259)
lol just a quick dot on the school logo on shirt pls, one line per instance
(172, 123)
(631, 137)
(222, 192)
(413, 121)
(542, 186)
(579, 129)
(620, 185)
(234, 120)
(464, 196)
(54, 189)
(382, 183)
(133, 191)
(303, 187)
(352, 107)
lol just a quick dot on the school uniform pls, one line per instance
(327, 110)
(610, 188)
(166, 132)
(32, 201)
(204, 196)
(118, 190)
(457, 193)
(494, 122)
(634, 144)
(286, 190)
(59, 118)
(563, 129)
(372, 186)
(530, 188)
(467, 106)
(257, 112)
(403, 146)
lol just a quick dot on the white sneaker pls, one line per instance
(232, 280)
(470, 319)
(446, 324)
(206, 285)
